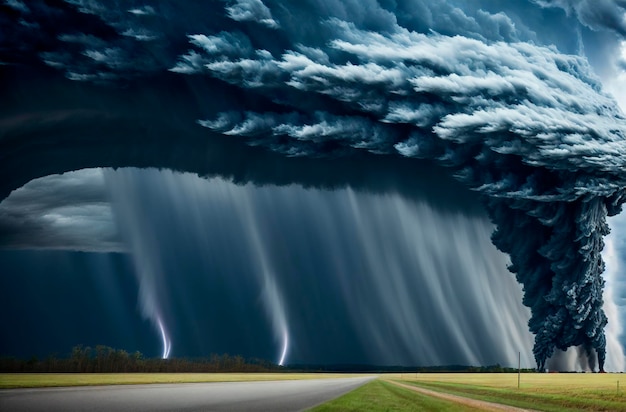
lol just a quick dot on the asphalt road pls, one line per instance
(221, 396)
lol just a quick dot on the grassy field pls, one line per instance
(546, 392)
(379, 395)
(39, 380)
(541, 391)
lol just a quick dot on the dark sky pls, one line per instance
(272, 178)
(54, 300)
(206, 253)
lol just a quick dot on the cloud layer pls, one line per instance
(526, 126)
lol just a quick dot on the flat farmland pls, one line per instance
(539, 391)
(40, 380)
(543, 392)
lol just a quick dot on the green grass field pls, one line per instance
(39, 380)
(541, 391)
(379, 395)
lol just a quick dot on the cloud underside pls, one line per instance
(67, 212)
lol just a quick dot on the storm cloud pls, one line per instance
(524, 124)
(598, 15)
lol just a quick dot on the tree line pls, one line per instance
(104, 359)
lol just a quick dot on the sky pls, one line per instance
(385, 182)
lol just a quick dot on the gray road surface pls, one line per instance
(220, 396)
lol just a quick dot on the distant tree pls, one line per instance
(81, 357)
(103, 358)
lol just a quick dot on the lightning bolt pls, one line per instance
(167, 344)
(281, 362)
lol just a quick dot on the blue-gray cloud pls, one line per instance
(251, 10)
(596, 14)
(64, 212)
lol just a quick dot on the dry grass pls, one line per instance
(38, 380)
(537, 381)
(551, 392)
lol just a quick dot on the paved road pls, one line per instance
(220, 396)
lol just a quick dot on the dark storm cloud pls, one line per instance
(596, 14)
(17, 5)
(509, 117)
(519, 122)
(462, 89)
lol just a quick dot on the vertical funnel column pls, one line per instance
(556, 252)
